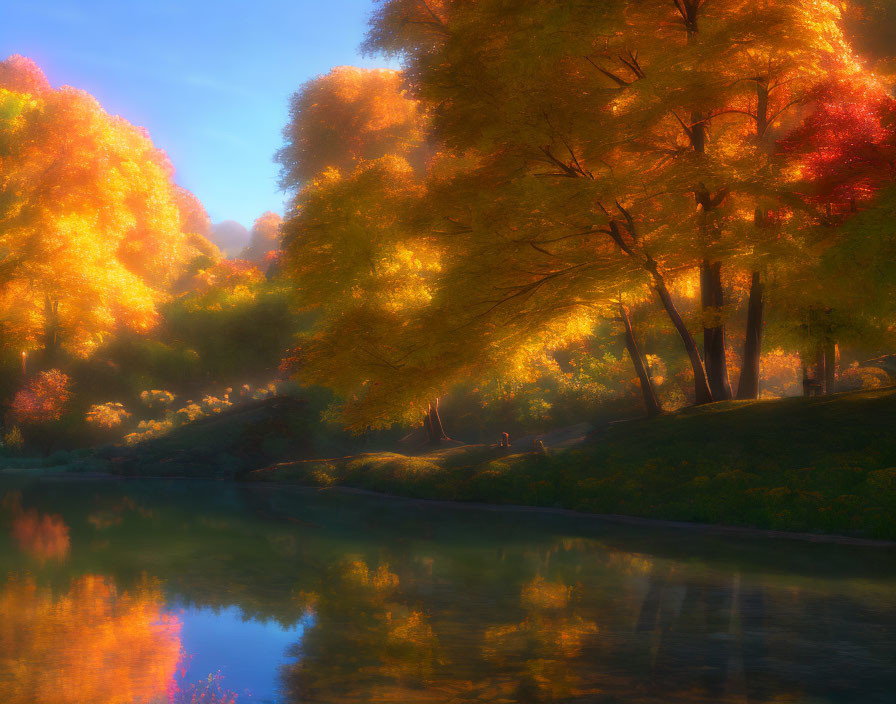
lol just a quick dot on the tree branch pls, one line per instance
(622, 83)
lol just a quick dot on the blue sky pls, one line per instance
(209, 80)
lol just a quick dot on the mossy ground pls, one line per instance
(814, 465)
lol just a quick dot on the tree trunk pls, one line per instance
(432, 421)
(698, 133)
(714, 335)
(761, 109)
(748, 386)
(830, 366)
(650, 400)
(51, 331)
(702, 392)
(820, 372)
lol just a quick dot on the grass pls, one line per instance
(824, 465)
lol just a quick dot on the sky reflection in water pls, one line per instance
(248, 654)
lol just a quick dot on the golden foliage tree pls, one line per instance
(355, 156)
(345, 117)
(92, 229)
(643, 126)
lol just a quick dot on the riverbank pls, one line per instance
(816, 465)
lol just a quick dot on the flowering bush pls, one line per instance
(147, 429)
(43, 398)
(157, 399)
(210, 404)
(106, 415)
(187, 414)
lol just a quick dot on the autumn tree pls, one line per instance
(345, 117)
(355, 159)
(842, 159)
(197, 225)
(644, 125)
(22, 75)
(264, 238)
(366, 276)
(92, 227)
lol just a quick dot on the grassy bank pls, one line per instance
(815, 465)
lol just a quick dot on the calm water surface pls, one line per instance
(151, 591)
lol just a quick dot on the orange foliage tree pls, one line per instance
(647, 126)
(345, 117)
(92, 227)
(354, 156)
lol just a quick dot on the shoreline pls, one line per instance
(612, 518)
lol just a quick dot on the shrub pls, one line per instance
(147, 429)
(157, 398)
(106, 415)
(13, 438)
(187, 414)
(856, 378)
(43, 399)
(211, 404)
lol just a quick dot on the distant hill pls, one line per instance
(230, 236)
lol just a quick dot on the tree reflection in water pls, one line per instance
(92, 643)
(599, 626)
(414, 604)
(364, 644)
(43, 536)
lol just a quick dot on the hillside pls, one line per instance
(807, 464)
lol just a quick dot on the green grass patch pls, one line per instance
(811, 465)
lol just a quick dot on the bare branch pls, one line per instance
(687, 130)
(622, 82)
(570, 171)
(629, 221)
(795, 101)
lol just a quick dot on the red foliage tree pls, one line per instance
(845, 149)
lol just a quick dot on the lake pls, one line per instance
(139, 591)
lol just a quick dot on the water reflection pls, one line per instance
(586, 634)
(41, 535)
(363, 642)
(363, 600)
(88, 643)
